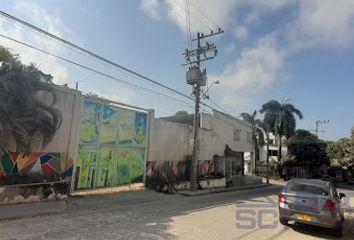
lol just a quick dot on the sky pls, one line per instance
(301, 50)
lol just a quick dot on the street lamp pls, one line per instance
(206, 94)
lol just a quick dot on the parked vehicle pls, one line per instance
(311, 201)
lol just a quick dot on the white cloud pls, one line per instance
(309, 24)
(36, 15)
(175, 10)
(230, 48)
(241, 33)
(256, 69)
(322, 23)
(152, 8)
(316, 24)
(121, 94)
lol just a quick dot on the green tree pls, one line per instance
(257, 132)
(341, 152)
(306, 150)
(181, 112)
(280, 117)
(27, 123)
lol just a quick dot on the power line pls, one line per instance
(206, 16)
(221, 108)
(189, 25)
(95, 71)
(8, 16)
(230, 40)
(73, 46)
(177, 14)
(73, 49)
(195, 17)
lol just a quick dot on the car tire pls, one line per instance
(338, 231)
(283, 221)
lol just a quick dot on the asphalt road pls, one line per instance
(211, 216)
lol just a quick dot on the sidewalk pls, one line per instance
(77, 203)
(92, 202)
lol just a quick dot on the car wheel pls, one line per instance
(338, 231)
(283, 221)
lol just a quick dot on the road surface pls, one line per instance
(211, 216)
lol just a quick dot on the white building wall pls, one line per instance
(169, 141)
(210, 144)
(65, 140)
(222, 128)
(263, 153)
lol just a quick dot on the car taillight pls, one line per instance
(281, 198)
(330, 204)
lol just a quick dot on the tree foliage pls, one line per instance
(341, 152)
(257, 131)
(305, 149)
(181, 112)
(279, 118)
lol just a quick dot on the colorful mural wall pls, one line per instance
(35, 163)
(112, 146)
(35, 134)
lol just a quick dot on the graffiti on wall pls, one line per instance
(112, 146)
(178, 170)
(39, 162)
(206, 168)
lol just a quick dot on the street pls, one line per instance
(210, 216)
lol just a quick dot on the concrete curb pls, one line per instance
(26, 210)
(221, 190)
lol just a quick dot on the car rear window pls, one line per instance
(306, 188)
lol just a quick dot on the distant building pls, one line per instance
(222, 143)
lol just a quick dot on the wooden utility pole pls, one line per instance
(197, 79)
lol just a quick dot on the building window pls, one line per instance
(273, 153)
(249, 137)
(237, 133)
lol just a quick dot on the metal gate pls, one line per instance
(112, 147)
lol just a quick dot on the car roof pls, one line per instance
(316, 182)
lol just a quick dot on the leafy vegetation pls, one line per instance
(341, 152)
(280, 118)
(306, 150)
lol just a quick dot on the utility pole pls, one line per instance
(267, 159)
(197, 79)
(318, 123)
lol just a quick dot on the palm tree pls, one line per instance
(27, 123)
(257, 133)
(280, 120)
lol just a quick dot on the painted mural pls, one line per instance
(29, 120)
(140, 128)
(126, 126)
(87, 162)
(109, 125)
(112, 146)
(105, 167)
(35, 163)
(90, 122)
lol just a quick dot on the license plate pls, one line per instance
(304, 217)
